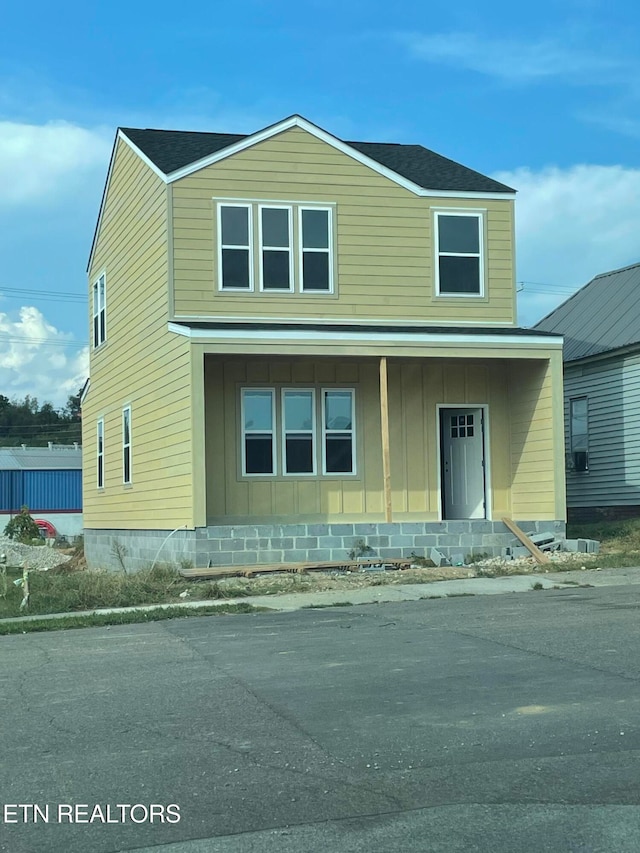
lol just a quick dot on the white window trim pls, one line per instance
(100, 454)
(284, 432)
(302, 250)
(244, 432)
(479, 216)
(249, 208)
(325, 432)
(99, 311)
(262, 248)
(127, 447)
(572, 451)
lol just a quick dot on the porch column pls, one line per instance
(384, 420)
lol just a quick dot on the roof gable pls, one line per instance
(602, 316)
(175, 154)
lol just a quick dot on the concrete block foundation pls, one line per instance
(248, 544)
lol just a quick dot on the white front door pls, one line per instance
(462, 449)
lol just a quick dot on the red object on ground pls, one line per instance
(46, 528)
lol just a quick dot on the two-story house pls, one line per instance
(300, 343)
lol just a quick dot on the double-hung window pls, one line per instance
(298, 414)
(276, 239)
(315, 253)
(338, 443)
(236, 249)
(99, 311)
(579, 427)
(286, 247)
(100, 454)
(459, 254)
(258, 428)
(314, 439)
(126, 445)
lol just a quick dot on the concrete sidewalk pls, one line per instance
(389, 592)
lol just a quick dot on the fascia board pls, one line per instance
(314, 336)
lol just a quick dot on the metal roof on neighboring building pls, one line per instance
(55, 457)
(602, 316)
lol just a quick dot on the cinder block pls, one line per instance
(570, 545)
(438, 558)
(542, 538)
(506, 552)
(556, 545)
(593, 546)
(518, 551)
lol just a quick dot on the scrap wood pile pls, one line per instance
(298, 568)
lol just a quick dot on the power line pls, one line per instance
(54, 342)
(46, 295)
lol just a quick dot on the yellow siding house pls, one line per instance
(300, 346)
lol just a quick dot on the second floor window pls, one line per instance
(275, 248)
(459, 255)
(236, 261)
(99, 311)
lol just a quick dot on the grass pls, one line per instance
(620, 537)
(97, 620)
(64, 592)
(60, 591)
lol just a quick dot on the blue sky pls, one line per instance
(545, 98)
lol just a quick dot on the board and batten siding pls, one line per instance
(141, 364)
(415, 389)
(612, 387)
(384, 246)
(537, 467)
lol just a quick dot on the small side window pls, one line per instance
(126, 445)
(100, 454)
(99, 311)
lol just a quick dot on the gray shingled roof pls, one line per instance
(58, 458)
(170, 150)
(604, 315)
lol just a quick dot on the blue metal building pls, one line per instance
(48, 480)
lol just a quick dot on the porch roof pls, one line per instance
(366, 339)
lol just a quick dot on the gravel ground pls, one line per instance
(36, 556)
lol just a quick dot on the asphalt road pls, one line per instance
(495, 724)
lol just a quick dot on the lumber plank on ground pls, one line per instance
(248, 571)
(535, 552)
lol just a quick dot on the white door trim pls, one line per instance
(488, 494)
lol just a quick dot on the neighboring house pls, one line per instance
(601, 328)
(48, 480)
(302, 345)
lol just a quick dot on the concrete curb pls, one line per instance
(381, 594)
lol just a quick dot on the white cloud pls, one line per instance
(39, 360)
(510, 59)
(571, 224)
(40, 163)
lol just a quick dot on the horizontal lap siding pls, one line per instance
(415, 388)
(384, 243)
(613, 390)
(141, 365)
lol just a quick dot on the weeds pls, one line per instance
(119, 551)
(96, 620)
